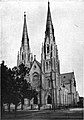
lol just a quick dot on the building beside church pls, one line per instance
(53, 88)
(68, 79)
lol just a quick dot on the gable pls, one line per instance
(34, 74)
(35, 68)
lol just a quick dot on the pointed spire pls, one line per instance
(24, 54)
(49, 13)
(25, 18)
(25, 39)
(49, 25)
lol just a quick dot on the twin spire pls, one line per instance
(49, 28)
(24, 55)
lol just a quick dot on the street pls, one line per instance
(71, 114)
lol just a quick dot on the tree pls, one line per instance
(23, 85)
(21, 88)
(14, 87)
(3, 83)
(26, 88)
(6, 85)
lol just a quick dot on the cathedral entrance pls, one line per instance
(49, 100)
(35, 100)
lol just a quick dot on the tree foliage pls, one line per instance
(14, 87)
(22, 88)
(6, 85)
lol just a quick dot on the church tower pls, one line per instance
(24, 56)
(50, 65)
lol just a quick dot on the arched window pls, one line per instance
(46, 65)
(22, 56)
(49, 100)
(47, 48)
(51, 50)
(35, 80)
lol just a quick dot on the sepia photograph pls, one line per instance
(42, 59)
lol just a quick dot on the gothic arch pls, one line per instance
(47, 48)
(35, 76)
(49, 99)
(36, 73)
(35, 100)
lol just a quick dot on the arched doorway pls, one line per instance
(35, 100)
(49, 100)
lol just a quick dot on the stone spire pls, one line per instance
(49, 26)
(25, 55)
(25, 39)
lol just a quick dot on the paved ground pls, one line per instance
(71, 114)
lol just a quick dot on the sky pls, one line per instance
(68, 22)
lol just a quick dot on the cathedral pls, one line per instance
(54, 89)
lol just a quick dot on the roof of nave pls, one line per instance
(67, 77)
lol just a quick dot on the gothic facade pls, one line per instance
(53, 88)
